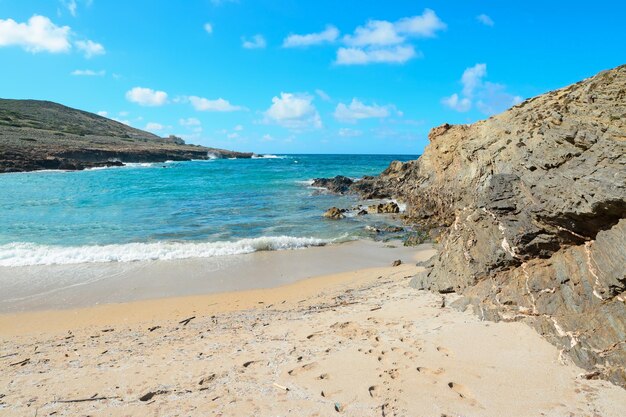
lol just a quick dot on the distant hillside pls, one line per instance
(45, 135)
(47, 115)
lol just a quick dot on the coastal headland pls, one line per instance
(36, 135)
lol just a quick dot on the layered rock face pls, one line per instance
(533, 202)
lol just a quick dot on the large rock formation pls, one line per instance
(43, 135)
(533, 202)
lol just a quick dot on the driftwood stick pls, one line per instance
(186, 321)
(8, 355)
(24, 362)
(82, 400)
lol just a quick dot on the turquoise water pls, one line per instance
(176, 209)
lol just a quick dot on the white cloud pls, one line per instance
(146, 97)
(90, 48)
(472, 78)
(322, 94)
(204, 104)
(357, 56)
(103, 113)
(89, 73)
(257, 42)
(382, 41)
(39, 34)
(349, 133)
(154, 127)
(238, 128)
(267, 138)
(208, 28)
(232, 135)
(489, 97)
(190, 122)
(375, 32)
(425, 26)
(493, 98)
(485, 20)
(459, 104)
(328, 35)
(71, 6)
(356, 110)
(294, 111)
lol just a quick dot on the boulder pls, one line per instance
(337, 185)
(390, 207)
(335, 213)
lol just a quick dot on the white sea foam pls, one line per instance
(268, 156)
(26, 254)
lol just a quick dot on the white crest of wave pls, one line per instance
(26, 254)
(268, 156)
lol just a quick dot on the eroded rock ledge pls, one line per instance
(533, 206)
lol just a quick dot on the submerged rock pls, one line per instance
(532, 204)
(335, 213)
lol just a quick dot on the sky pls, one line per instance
(286, 76)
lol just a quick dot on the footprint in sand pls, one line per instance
(303, 368)
(444, 351)
(428, 371)
(461, 390)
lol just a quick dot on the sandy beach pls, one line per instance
(356, 343)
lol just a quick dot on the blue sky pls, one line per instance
(286, 76)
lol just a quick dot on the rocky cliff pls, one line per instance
(532, 203)
(43, 135)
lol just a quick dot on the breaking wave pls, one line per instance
(27, 254)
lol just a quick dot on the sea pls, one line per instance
(178, 210)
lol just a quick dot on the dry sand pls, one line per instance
(360, 343)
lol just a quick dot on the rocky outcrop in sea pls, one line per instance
(530, 209)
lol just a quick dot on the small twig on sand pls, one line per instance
(22, 363)
(186, 321)
(280, 386)
(8, 355)
(151, 329)
(82, 400)
(375, 308)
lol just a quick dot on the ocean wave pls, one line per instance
(28, 254)
(269, 156)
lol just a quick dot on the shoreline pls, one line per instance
(56, 287)
(354, 343)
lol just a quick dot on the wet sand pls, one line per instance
(83, 285)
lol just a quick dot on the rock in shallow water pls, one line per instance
(338, 185)
(334, 213)
(389, 208)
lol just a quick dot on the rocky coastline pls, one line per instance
(38, 135)
(529, 211)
